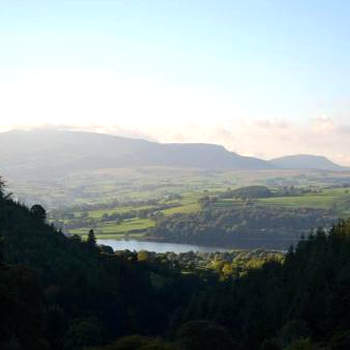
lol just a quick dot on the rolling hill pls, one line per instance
(305, 161)
(44, 153)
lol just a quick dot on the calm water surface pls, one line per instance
(158, 247)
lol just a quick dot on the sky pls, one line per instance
(262, 77)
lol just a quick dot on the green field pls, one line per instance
(180, 188)
(224, 203)
(106, 185)
(330, 199)
(134, 226)
(98, 213)
(336, 199)
(184, 209)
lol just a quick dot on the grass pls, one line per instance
(136, 227)
(117, 236)
(186, 206)
(98, 213)
(337, 199)
(126, 227)
(184, 209)
(303, 201)
(228, 203)
(106, 185)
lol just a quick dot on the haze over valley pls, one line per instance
(133, 188)
(174, 175)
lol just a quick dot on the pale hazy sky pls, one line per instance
(262, 77)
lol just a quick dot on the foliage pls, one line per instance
(340, 340)
(242, 226)
(91, 239)
(1, 249)
(204, 335)
(142, 255)
(301, 344)
(137, 342)
(39, 212)
(249, 192)
(2, 187)
(78, 285)
(81, 333)
(57, 293)
(21, 309)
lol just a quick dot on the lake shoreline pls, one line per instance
(164, 247)
(157, 247)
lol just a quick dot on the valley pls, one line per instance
(137, 212)
(174, 175)
(125, 188)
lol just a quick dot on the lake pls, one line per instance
(158, 247)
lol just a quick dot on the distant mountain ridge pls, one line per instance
(306, 161)
(53, 152)
(44, 153)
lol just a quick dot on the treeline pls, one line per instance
(224, 264)
(247, 192)
(62, 293)
(256, 191)
(69, 219)
(302, 303)
(242, 226)
(116, 203)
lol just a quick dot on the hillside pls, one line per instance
(70, 293)
(305, 161)
(44, 153)
(60, 293)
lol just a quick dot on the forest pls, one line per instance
(59, 292)
(230, 217)
(246, 225)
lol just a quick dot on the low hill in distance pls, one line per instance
(306, 161)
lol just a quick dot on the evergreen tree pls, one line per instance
(1, 249)
(2, 187)
(39, 212)
(91, 240)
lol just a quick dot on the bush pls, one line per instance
(204, 335)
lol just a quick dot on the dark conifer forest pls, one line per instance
(62, 293)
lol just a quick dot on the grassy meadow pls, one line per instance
(174, 190)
